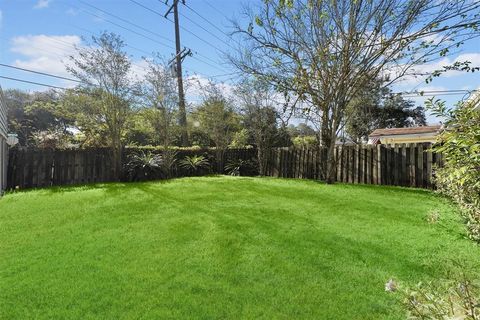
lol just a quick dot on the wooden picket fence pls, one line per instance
(32, 168)
(410, 165)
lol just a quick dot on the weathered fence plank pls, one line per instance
(403, 165)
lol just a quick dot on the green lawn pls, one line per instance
(220, 248)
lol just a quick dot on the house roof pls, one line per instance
(404, 131)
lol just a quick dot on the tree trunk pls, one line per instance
(260, 159)
(220, 160)
(330, 165)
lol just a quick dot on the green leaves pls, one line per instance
(258, 21)
(459, 145)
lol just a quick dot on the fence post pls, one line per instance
(420, 165)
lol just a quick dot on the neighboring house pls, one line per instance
(3, 143)
(404, 135)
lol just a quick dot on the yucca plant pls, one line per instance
(169, 162)
(194, 164)
(144, 165)
(239, 167)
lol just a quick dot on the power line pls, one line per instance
(125, 28)
(201, 27)
(214, 8)
(39, 72)
(199, 38)
(188, 31)
(206, 20)
(126, 21)
(33, 82)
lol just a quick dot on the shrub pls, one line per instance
(144, 165)
(459, 144)
(449, 299)
(240, 167)
(194, 164)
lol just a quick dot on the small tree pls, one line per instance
(257, 101)
(161, 99)
(104, 69)
(217, 118)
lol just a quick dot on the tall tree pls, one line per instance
(105, 71)
(320, 54)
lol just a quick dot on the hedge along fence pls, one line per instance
(411, 165)
(32, 168)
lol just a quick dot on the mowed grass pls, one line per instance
(221, 248)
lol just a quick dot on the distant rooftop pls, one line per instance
(402, 131)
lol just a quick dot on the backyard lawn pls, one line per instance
(221, 248)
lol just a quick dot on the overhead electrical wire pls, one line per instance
(143, 35)
(188, 31)
(33, 82)
(205, 19)
(39, 72)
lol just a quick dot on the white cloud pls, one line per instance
(419, 73)
(45, 53)
(194, 85)
(138, 69)
(41, 4)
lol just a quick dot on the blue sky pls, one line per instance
(39, 34)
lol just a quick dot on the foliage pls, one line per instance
(305, 142)
(240, 167)
(220, 248)
(144, 165)
(321, 54)
(28, 114)
(51, 139)
(104, 99)
(376, 107)
(169, 163)
(301, 130)
(194, 164)
(444, 299)
(240, 139)
(160, 97)
(459, 145)
(216, 117)
(257, 105)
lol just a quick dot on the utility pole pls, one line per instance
(182, 113)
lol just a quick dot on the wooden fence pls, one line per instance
(410, 165)
(32, 168)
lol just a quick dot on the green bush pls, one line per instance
(459, 144)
